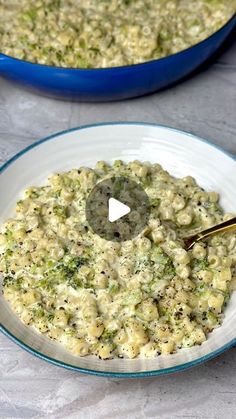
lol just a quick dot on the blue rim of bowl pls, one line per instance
(144, 63)
(138, 374)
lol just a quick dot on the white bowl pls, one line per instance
(181, 154)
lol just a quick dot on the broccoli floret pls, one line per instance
(200, 264)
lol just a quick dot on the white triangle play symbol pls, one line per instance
(116, 210)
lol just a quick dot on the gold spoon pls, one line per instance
(224, 227)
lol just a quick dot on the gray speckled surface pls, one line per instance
(31, 388)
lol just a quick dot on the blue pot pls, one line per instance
(113, 83)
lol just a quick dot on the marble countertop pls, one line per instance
(30, 388)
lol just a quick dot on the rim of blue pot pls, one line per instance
(138, 374)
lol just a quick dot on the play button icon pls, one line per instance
(117, 209)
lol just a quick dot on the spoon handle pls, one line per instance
(226, 226)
